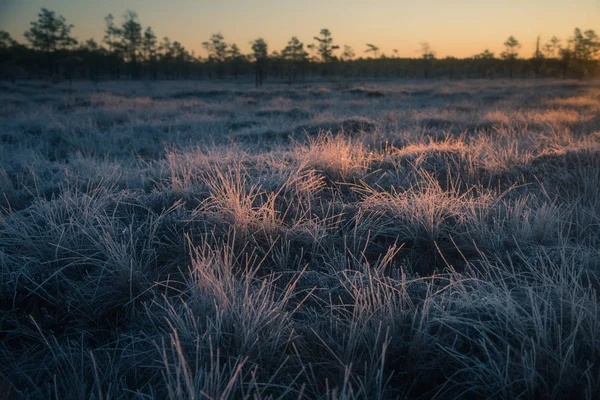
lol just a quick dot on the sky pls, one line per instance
(451, 27)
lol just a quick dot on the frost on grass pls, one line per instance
(399, 240)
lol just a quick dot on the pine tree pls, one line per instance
(49, 34)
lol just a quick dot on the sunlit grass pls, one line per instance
(437, 240)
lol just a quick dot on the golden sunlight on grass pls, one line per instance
(342, 240)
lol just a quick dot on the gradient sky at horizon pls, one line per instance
(457, 28)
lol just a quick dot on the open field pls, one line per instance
(352, 240)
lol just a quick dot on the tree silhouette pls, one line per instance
(217, 51)
(325, 46)
(165, 48)
(92, 56)
(585, 45)
(131, 40)
(181, 57)
(173, 58)
(580, 51)
(149, 45)
(6, 41)
(236, 58)
(90, 45)
(585, 48)
(261, 55)
(426, 52)
(49, 44)
(9, 48)
(538, 57)
(371, 48)
(510, 53)
(234, 51)
(112, 34)
(552, 47)
(49, 34)
(294, 50)
(112, 38)
(166, 56)
(428, 56)
(295, 56)
(149, 49)
(592, 41)
(566, 55)
(484, 61)
(484, 55)
(216, 47)
(511, 47)
(348, 53)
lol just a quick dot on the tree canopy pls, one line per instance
(50, 32)
(129, 49)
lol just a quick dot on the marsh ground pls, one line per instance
(323, 240)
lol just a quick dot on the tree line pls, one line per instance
(128, 51)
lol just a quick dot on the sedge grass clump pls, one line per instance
(426, 219)
(534, 331)
(449, 160)
(505, 151)
(238, 202)
(337, 157)
(229, 330)
(187, 166)
(531, 219)
(84, 256)
(253, 310)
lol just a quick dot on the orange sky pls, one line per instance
(458, 28)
